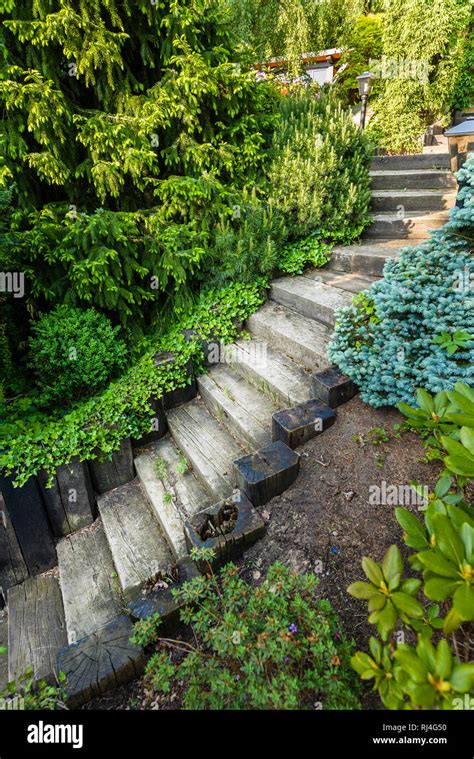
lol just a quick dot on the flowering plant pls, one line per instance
(270, 646)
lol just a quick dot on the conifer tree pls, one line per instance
(415, 327)
(128, 128)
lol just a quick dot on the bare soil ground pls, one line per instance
(324, 522)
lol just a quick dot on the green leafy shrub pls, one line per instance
(364, 43)
(245, 245)
(464, 90)
(95, 427)
(275, 646)
(428, 675)
(319, 173)
(73, 353)
(393, 348)
(432, 37)
(311, 251)
(272, 28)
(36, 694)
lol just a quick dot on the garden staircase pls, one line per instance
(139, 534)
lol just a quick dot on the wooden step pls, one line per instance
(162, 497)
(366, 258)
(310, 297)
(189, 497)
(239, 405)
(36, 626)
(298, 337)
(278, 376)
(207, 446)
(13, 569)
(412, 200)
(89, 582)
(351, 283)
(139, 549)
(425, 179)
(416, 226)
(3, 644)
(411, 162)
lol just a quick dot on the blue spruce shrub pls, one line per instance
(384, 339)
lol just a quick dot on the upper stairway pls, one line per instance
(411, 195)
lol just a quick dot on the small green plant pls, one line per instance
(145, 631)
(275, 646)
(296, 256)
(446, 422)
(182, 466)
(73, 353)
(379, 460)
(37, 694)
(160, 468)
(453, 341)
(379, 435)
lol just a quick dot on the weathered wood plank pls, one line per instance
(267, 473)
(139, 548)
(100, 661)
(70, 500)
(234, 401)
(13, 569)
(304, 340)
(36, 626)
(163, 502)
(88, 581)
(310, 298)
(3, 644)
(333, 387)
(270, 372)
(189, 495)
(208, 447)
(294, 426)
(30, 522)
(113, 472)
(247, 529)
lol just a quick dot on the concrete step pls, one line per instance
(281, 379)
(351, 283)
(139, 549)
(298, 337)
(426, 179)
(309, 297)
(412, 200)
(415, 226)
(411, 162)
(36, 626)
(89, 583)
(207, 446)
(239, 405)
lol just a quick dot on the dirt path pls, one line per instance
(324, 523)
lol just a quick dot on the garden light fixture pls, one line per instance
(365, 84)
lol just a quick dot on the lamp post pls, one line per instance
(365, 83)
